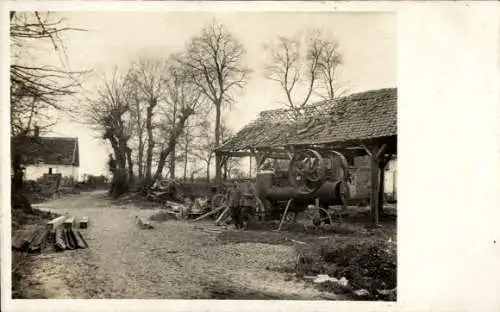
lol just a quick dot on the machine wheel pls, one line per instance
(307, 171)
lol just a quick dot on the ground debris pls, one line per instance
(362, 294)
(163, 216)
(143, 224)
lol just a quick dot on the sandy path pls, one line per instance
(173, 261)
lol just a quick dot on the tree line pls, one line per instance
(159, 114)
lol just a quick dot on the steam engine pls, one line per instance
(311, 176)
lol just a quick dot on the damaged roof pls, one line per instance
(47, 150)
(360, 116)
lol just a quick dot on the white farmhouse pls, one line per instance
(52, 155)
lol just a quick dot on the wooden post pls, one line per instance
(374, 189)
(381, 191)
(376, 153)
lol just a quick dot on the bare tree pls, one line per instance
(186, 142)
(304, 64)
(330, 60)
(147, 76)
(184, 96)
(137, 112)
(214, 61)
(109, 113)
(35, 88)
(205, 145)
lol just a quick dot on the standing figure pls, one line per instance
(248, 205)
(234, 202)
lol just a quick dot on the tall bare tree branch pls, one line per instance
(304, 64)
(215, 65)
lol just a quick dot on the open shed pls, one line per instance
(363, 123)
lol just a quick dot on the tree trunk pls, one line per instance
(140, 155)
(17, 181)
(122, 157)
(208, 168)
(172, 154)
(170, 146)
(151, 143)
(130, 165)
(218, 168)
(172, 163)
(185, 159)
(225, 171)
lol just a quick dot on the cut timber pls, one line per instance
(70, 243)
(60, 241)
(82, 238)
(84, 223)
(68, 223)
(210, 213)
(55, 223)
(222, 216)
(40, 238)
(23, 239)
(80, 242)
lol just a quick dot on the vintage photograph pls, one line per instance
(204, 155)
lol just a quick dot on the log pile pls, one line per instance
(58, 234)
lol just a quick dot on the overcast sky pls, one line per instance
(367, 42)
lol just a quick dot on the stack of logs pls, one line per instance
(61, 233)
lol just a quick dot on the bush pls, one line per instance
(369, 265)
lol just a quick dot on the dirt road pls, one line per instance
(176, 260)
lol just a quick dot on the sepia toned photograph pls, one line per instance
(241, 155)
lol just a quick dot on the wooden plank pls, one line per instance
(39, 239)
(68, 223)
(80, 242)
(60, 241)
(223, 216)
(210, 213)
(83, 223)
(80, 237)
(285, 213)
(55, 223)
(22, 240)
(70, 243)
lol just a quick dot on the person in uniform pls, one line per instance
(234, 202)
(248, 206)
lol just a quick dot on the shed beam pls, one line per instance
(378, 161)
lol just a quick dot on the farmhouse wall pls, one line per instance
(34, 172)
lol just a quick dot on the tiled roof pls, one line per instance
(360, 116)
(48, 150)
